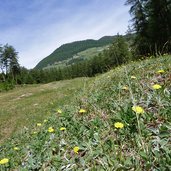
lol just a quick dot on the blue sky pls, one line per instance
(37, 27)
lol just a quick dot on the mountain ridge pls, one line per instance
(67, 50)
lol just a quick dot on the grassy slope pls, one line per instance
(91, 52)
(86, 54)
(66, 51)
(142, 144)
(24, 106)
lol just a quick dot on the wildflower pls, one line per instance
(138, 109)
(82, 111)
(125, 88)
(118, 125)
(156, 86)
(34, 132)
(133, 77)
(76, 149)
(45, 121)
(50, 129)
(39, 124)
(62, 129)
(160, 71)
(4, 161)
(16, 148)
(59, 111)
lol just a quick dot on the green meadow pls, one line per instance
(25, 105)
(119, 120)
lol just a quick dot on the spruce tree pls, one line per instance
(140, 24)
(152, 25)
(159, 27)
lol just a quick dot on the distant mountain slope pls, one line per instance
(66, 51)
(79, 57)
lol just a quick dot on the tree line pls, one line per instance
(150, 34)
(117, 54)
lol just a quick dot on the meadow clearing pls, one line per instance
(119, 120)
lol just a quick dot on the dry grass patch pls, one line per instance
(26, 105)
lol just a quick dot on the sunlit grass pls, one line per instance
(103, 127)
(27, 105)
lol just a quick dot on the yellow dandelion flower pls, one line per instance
(39, 124)
(125, 88)
(4, 161)
(62, 129)
(156, 86)
(16, 148)
(138, 109)
(82, 111)
(45, 121)
(76, 149)
(133, 77)
(118, 125)
(50, 129)
(160, 71)
(59, 111)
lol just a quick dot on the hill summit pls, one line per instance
(68, 50)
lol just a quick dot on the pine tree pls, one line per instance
(159, 27)
(140, 25)
(9, 60)
(152, 25)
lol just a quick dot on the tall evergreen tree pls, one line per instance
(140, 25)
(159, 27)
(119, 51)
(10, 61)
(152, 24)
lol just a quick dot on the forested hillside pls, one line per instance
(91, 62)
(68, 50)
